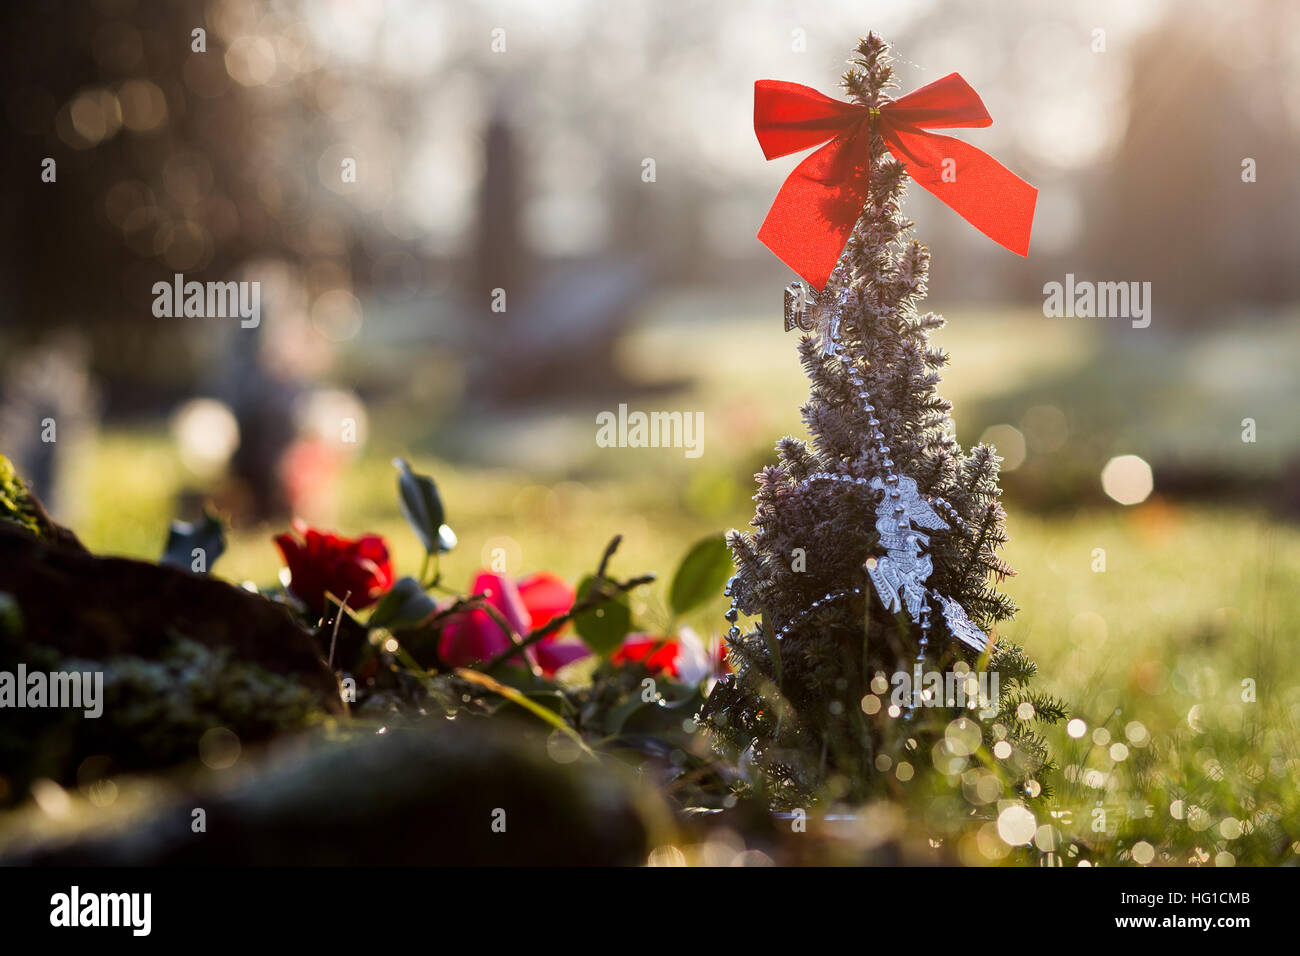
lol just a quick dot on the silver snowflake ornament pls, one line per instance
(800, 307)
(961, 626)
(903, 569)
(901, 573)
(904, 504)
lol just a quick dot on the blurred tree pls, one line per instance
(169, 157)
(1172, 207)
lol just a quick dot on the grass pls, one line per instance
(1180, 651)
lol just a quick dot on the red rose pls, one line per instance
(655, 654)
(684, 656)
(326, 562)
(525, 605)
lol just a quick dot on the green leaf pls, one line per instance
(404, 606)
(422, 507)
(195, 546)
(534, 708)
(11, 615)
(604, 627)
(702, 574)
(617, 715)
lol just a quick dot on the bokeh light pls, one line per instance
(1009, 443)
(1127, 479)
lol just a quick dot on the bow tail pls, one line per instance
(814, 213)
(972, 183)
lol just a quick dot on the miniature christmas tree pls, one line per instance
(875, 545)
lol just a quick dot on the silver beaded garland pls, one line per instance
(822, 601)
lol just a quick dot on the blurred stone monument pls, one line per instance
(555, 324)
(263, 406)
(49, 408)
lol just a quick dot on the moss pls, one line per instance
(154, 711)
(16, 505)
(162, 707)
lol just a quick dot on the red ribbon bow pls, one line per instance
(815, 211)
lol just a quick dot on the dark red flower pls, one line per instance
(655, 654)
(525, 605)
(323, 561)
(684, 656)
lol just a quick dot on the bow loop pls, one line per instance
(789, 117)
(948, 103)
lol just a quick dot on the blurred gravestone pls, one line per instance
(557, 330)
(49, 406)
(263, 405)
(501, 258)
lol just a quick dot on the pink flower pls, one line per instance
(324, 561)
(526, 605)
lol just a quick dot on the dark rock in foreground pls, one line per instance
(89, 607)
(404, 797)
